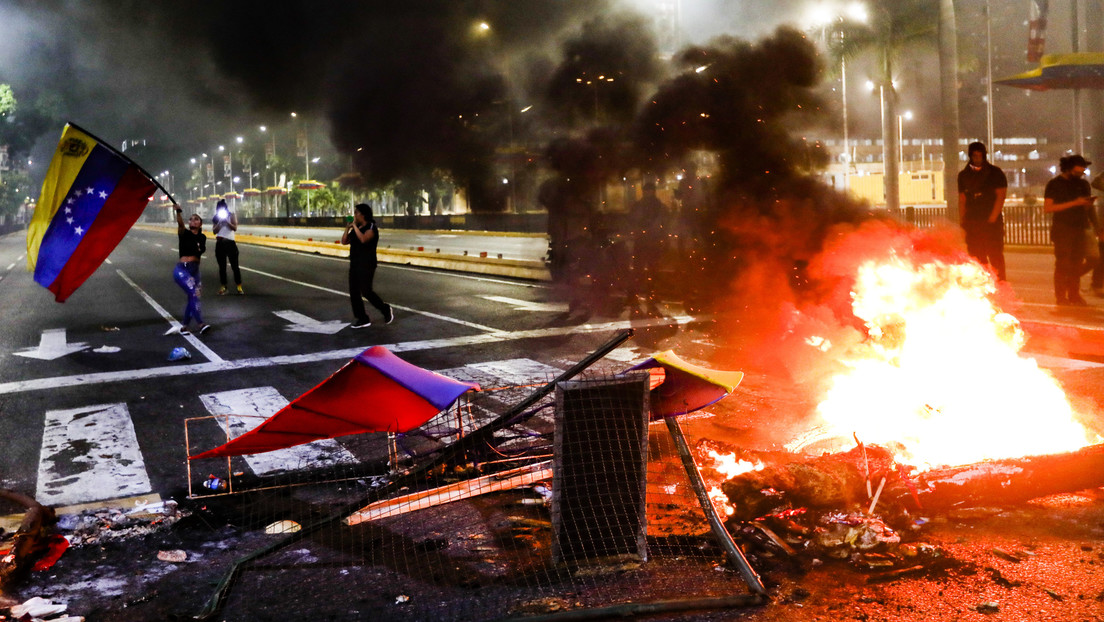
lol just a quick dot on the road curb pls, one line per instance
(490, 266)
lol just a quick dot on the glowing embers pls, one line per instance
(939, 372)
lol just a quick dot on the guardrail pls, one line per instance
(1023, 225)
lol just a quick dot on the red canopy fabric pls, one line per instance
(375, 392)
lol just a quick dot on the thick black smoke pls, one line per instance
(410, 88)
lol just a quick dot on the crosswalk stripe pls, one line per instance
(245, 409)
(90, 454)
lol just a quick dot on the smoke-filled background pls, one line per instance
(410, 93)
(395, 78)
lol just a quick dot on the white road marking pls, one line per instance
(330, 355)
(245, 409)
(303, 324)
(344, 294)
(52, 345)
(192, 339)
(10, 266)
(90, 454)
(528, 305)
(519, 371)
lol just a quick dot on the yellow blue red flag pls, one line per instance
(91, 197)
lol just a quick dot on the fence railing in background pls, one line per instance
(1023, 225)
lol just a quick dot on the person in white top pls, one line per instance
(225, 225)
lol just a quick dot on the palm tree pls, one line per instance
(948, 87)
(895, 25)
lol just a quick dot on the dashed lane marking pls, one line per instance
(330, 355)
(89, 454)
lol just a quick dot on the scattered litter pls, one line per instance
(154, 510)
(990, 607)
(114, 524)
(37, 607)
(213, 482)
(109, 329)
(401, 598)
(107, 349)
(55, 547)
(1005, 555)
(1053, 594)
(179, 354)
(175, 555)
(282, 526)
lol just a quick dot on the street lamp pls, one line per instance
(901, 118)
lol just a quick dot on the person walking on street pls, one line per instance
(362, 236)
(981, 191)
(1068, 197)
(225, 224)
(193, 243)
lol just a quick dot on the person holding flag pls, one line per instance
(193, 243)
(91, 196)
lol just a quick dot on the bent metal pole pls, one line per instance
(735, 555)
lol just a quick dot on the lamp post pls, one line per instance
(820, 16)
(302, 133)
(901, 118)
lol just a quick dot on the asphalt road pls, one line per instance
(105, 351)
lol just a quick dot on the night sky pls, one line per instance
(376, 76)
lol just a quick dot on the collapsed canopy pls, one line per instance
(686, 387)
(375, 392)
(1082, 70)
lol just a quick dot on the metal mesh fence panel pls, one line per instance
(576, 504)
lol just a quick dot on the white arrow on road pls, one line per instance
(51, 346)
(303, 324)
(528, 305)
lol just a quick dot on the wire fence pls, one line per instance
(576, 504)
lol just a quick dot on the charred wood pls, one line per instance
(31, 540)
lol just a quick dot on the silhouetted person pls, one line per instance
(981, 191)
(649, 218)
(1098, 269)
(1068, 197)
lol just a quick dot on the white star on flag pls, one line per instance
(79, 230)
(103, 195)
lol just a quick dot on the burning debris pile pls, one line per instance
(864, 507)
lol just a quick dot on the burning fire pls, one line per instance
(940, 371)
(729, 466)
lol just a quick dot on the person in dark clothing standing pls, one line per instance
(981, 191)
(1068, 197)
(225, 224)
(362, 236)
(193, 243)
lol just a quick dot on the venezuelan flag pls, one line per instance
(91, 197)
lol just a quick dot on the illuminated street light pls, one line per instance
(901, 118)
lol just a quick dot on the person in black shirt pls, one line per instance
(193, 243)
(981, 191)
(362, 236)
(1068, 197)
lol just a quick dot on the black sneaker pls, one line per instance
(204, 328)
(365, 323)
(389, 316)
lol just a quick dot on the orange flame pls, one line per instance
(940, 371)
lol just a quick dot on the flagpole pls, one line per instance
(124, 156)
